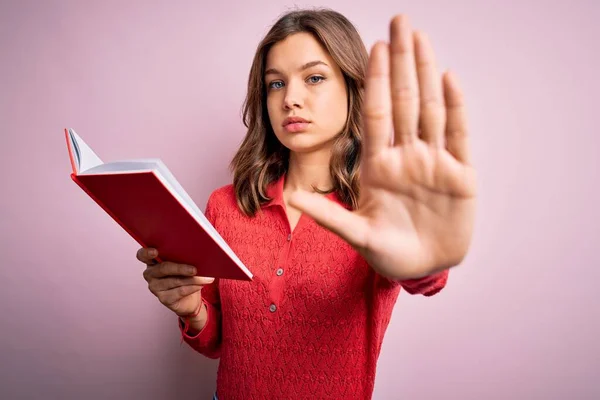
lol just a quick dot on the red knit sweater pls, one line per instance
(312, 321)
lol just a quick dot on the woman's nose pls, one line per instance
(293, 97)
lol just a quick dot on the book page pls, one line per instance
(85, 158)
(122, 167)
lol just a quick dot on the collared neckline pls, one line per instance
(275, 192)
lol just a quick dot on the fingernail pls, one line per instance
(192, 270)
(210, 280)
(153, 253)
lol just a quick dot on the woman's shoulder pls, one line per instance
(220, 203)
(222, 197)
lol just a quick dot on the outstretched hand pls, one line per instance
(417, 185)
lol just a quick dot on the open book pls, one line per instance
(146, 200)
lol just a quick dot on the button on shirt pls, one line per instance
(312, 320)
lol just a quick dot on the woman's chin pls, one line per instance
(304, 145)
(305, 142)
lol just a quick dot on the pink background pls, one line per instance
(520, 318)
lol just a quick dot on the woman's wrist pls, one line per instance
(197, 320)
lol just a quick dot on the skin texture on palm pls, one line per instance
(418, 187)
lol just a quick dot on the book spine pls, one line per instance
(113, 216)
(71, 157)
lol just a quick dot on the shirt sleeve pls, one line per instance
(208, 340)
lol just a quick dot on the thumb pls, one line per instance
(346, 224)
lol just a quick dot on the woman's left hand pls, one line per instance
(418, 189)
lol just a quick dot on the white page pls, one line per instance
(85, 158)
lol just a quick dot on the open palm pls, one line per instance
(418, 189)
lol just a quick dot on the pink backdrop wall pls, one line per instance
(520, 318)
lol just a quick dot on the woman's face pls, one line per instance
(303, 81)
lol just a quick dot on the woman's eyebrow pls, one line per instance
(302, 68)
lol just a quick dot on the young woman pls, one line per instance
(335, 206)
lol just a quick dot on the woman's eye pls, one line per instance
(279, 84)
(275, 85)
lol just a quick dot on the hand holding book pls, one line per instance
(176, 286)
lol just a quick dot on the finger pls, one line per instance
(405, 88)
(457, 138)
(146, 255)
(170, 297)
(431, 108)
(377, 117)
(349, 226)
(160, 285)
(168, 269)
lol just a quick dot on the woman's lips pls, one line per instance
(295, 127)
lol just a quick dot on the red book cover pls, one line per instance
(144, 204)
